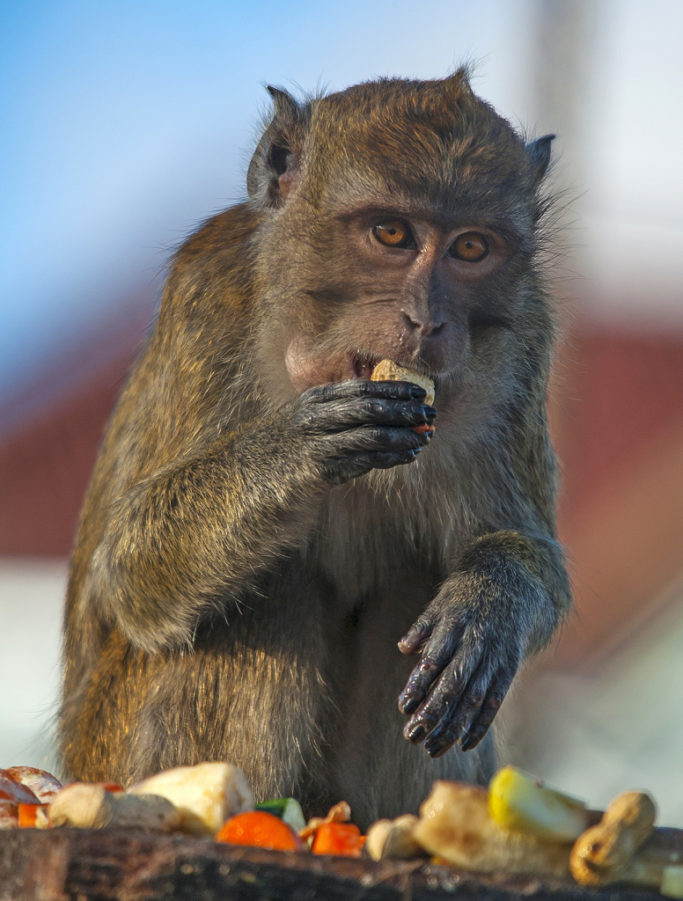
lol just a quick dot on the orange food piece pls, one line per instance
(425, 427)
(113, 787)
(338, 838)
(260, 830)
(28, 814)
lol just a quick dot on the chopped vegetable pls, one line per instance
(393, 839)
(88, 806)
(287, 809)
(338, 813)
(261, 830)
(521, 803)
(32, 816)
(338, 838)
(205, 794)
(455, 825)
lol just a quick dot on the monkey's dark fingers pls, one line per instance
(363, 388)
(437, 654)
(347, 413)
(418, 685)
(442, 690)
(347, 455)
(416, 635)
(342, 469)
(437, 638)
(468, 719)
(378, 439)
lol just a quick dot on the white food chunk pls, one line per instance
(205, 794)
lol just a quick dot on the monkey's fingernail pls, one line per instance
(469, 740)
(415, 733)
(408, 703)
(465, 739)
(436, 747)
(430, 412)
(412, 640)
(416, 391)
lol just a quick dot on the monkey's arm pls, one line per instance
(506, 595)
(193, 534)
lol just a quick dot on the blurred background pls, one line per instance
(125, 124)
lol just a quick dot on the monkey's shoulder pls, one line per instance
(226, 231)
(211, 273)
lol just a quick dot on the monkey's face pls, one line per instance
(404, 229)
(399, 283)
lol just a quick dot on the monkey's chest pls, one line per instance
(366, 549)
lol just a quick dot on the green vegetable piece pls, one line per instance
(287, 809)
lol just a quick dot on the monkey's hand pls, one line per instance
(359, 425)
(469, 657)
(503, 602)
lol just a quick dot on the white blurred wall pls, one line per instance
(31, 597)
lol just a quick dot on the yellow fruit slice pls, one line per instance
(521, 803)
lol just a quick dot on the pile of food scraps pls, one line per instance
(517, 826)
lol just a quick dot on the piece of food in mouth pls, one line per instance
(388, 371)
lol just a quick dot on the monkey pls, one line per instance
(264, 522)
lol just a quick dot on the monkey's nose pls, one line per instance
(424, 329)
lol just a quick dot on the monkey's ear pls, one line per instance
(274, 168)
(538, 152)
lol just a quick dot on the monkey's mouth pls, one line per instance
(362, 365)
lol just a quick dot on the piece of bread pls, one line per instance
(388, 371)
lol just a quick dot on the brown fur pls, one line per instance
(238, 583)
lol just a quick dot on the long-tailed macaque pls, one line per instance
(265, 523)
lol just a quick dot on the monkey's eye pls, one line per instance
(470, 247)
(393, 233)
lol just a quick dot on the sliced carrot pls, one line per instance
(28, 814)
(338, 838)
(261, 830)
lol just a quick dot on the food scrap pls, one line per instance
(520, 802)
(517, 826)
(260, 830)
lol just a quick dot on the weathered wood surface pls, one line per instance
(89, 865)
